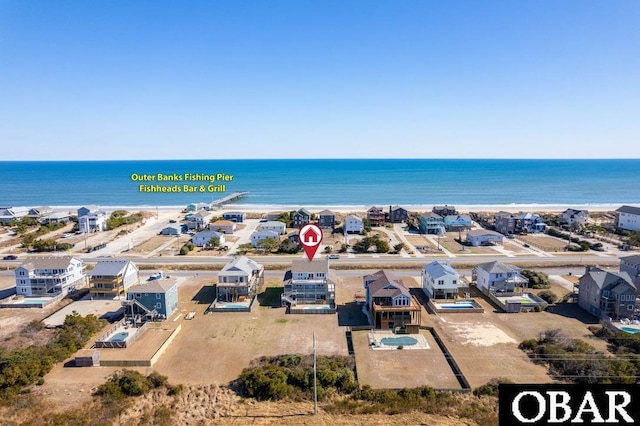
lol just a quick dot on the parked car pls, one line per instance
(10, 257)
(333, 256)
(173, 221)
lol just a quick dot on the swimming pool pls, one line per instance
(630, 330)
(320, 307)
(32, 301)
(399, 341)
(231, 306)
(464, 305)
(119, 337)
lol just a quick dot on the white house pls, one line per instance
(225, 226)
(496, 276)
(258, 236)
(440, 280)
(202, 238)
(275, 226)
(628, 218)
(94, 221)
(481, 237)
(9, 214)
(50, 276)
(111, 278)
(573, 217)
(239, 279)
(353, 224)
(199, 220)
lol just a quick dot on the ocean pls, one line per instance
(325, 182)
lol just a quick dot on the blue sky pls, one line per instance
(331, 79)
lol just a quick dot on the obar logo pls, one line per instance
(555, 404)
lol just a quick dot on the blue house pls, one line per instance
(457, 222)
(431, 223)
(159, 295)
(237, 217)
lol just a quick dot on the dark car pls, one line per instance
(10, 257)
(172, 221)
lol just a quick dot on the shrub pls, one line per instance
(548, 296)
(490, 388)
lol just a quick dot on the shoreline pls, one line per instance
(463, 208)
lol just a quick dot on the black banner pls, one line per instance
(567, 404)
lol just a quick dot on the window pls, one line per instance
(630, 307)
(158, 296)
(159, 305)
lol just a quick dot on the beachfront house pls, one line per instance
(9, 214)
(457, 222)
(445, 210)
(518, 223)
(237, 217)
(398, 214)
(631, 265)
(301, 218)
(353, 225)
(309, 283)
(194, 207)
(389, 302)
(440, 280)
(573, 217)
(174, 230)
(50, 276)
(199, 220)
(432, 223)
(628, 218)
(91, 219)
(224, 226)
(294, 236)
(258, 236)
(157, 298)
(239, 279)
(483, 237)
(38, 212)
(112, 278)
(203, 238)
(55, 217)
(375, 216)
(326, 219)
(276, 226)
(607, 294)
(492, 277)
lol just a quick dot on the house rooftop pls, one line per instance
(161, 285)
(303, 265)
(439, 269)
(629, 210)
(386, 284)
(604, 278)
(496, 267)
(481, 232)
(273, 223)
(109, 268)
(633, 259)
(202, 213)
(240, 265)
(326, 213)
(51, 262)
(223, 223)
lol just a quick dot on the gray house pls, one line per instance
(631, 265)
(607, 294)
(239, 279)
(301, 218)
(160, 296)
(237, 217)
(398, 214)
(309, 283)
(173, 230)
(326, 219)
(517, 223)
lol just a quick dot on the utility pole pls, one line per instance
(315, 383)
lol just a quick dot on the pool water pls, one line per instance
(455, 305)
(630, 330)
(399, 341)
(231, 306)
(119, 337)
(31, 300)
(318, 307)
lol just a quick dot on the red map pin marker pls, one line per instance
(310, 238)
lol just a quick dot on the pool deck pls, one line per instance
(376, 337)
(142, 352)
(438, 308)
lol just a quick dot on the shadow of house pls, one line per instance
(572, 310)
(350, 314)
(271, 297)
(205, 296)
